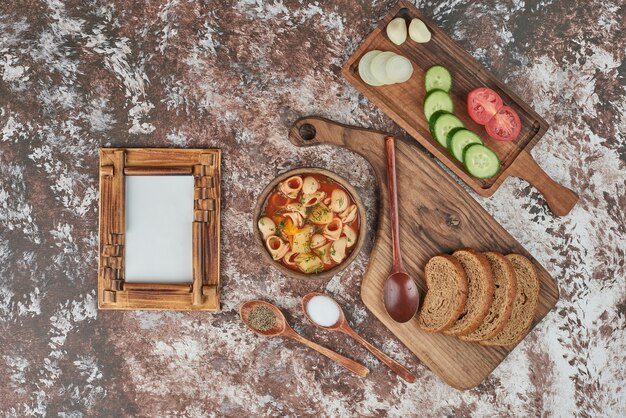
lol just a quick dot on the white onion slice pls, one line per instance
(396, 31)
(399, 69)
(377, 67)
(364, 68)
(418, 31)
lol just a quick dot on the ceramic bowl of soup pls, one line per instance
(309, 223)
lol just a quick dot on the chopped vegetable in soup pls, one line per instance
(310, 223)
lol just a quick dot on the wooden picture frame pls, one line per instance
(203, 291)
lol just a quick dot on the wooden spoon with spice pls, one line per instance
(324, 312)
(268, 321)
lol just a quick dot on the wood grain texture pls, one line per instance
(398, 265)
(198, 261)
(404, 104)
(158, 171)
(203, 293)
(168, 287)
(436, 216)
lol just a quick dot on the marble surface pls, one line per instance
(78, 75)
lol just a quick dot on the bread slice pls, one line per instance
(525, 305)
(505, 288)
(446, 296)
(480, 291)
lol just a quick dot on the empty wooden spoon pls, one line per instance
(282, 328)
(401, 295)
(342, 325)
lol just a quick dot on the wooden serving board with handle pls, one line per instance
(436, 216)
(404, 104)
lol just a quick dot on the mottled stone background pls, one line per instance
(78, 75)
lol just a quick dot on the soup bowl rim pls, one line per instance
(260, 205)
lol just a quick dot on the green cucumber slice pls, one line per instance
(480, 161)
(438, 78)
(437, 100)
(441, 123)
(458, 139)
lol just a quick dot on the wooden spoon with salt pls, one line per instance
(343, 326)
(282, 328)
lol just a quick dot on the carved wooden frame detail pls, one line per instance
(204, 166)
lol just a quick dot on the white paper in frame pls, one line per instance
(159, 215)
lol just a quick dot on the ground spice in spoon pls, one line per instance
(262, 318)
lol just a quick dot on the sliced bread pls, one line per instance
(479, 292)
(446, 295)
(525, 305)
(505, 288)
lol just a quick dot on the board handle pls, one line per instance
(560, 199)
(314, 130)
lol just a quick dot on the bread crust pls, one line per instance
(484, 308)
(510, 295)
(508, 302)
(462, 287)
(536, 293)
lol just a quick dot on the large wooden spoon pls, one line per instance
(401, 295)
(282, 328)
(342, 326)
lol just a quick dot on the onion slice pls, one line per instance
(364, 68)
(396, 31)
(378, 67)
(399, 69)
(418, 31)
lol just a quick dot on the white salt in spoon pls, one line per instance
(324, 312)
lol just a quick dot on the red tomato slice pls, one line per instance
(482, 104)
(505, 125)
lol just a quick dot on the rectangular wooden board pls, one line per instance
(404, 102)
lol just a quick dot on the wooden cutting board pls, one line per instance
(436, 216)
(404, 104)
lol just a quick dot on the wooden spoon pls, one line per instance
(401, 295)
(343, 326)
(282, 328)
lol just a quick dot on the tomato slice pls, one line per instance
(505, 125)
(482, 104)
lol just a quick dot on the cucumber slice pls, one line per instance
(458, 139)
(364, 68)
(480, 161)
(438, 78)
(441, 123)
(450, 134)
(437, 100)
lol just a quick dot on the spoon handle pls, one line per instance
(351, 365)
(397, 368)
(390, 147)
